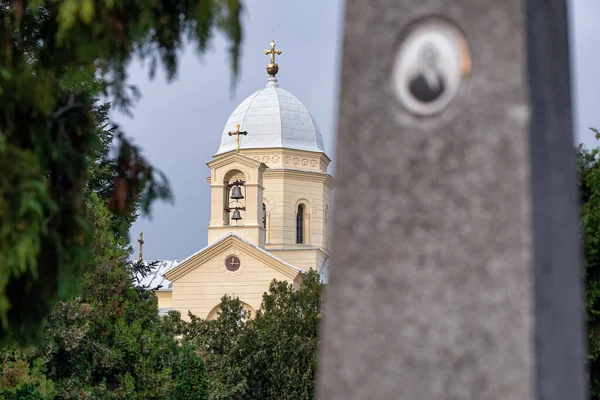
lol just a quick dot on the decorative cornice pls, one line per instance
(303, 153)
(308, 248)
(311, 176)
(281, 150)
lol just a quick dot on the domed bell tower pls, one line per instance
(269, 178)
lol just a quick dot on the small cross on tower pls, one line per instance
(141, 242)
(237, 134)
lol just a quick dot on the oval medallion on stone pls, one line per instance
(432, 62)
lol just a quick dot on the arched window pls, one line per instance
(247, 311)
(300, 224)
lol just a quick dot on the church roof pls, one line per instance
(273, 117)
(156, 276)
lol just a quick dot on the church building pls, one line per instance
(270, 207)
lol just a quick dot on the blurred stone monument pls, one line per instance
(456, 268)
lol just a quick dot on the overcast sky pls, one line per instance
(179, 125)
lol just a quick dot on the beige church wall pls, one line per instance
(201, 289)
(301, 258)
(297, 282)
(252, 233)
(273, 199)
(282, 195)
(273, 208)
(313, 196)
(164, 298)
(282, 192)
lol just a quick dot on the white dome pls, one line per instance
(273, 117)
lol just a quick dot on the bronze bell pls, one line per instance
(236, 214)
(236, 193)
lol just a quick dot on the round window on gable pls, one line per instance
(232, 263)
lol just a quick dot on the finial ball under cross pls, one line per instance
(237, 134)
(272, 68)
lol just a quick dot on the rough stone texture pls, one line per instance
(440, 237)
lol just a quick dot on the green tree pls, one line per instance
(56, 58)
(588, 173)
(191, 380)
(215, 340)
(103, 169)
(20, 375)
(25, 392)
(109, 342)
(270, 356)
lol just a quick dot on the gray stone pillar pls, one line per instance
(456, 268)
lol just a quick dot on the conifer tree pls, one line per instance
(191, 380)
(272, 355)
(56, 58)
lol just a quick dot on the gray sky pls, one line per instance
(179, 125)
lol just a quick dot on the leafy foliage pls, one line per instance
(191, 381)
(25, 392)
(588, 172)
(56, 58)
(270, 356)
(23, 378)
(108, 343)
(103, 169)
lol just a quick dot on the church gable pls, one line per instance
(231, 256)
(230, 266)
(222, 164)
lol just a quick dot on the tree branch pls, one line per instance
(70, 105)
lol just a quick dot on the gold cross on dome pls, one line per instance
(272, 52)
(237, 134)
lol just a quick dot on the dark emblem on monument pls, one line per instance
(428, 85)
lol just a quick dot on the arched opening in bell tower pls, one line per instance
(229, 196)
